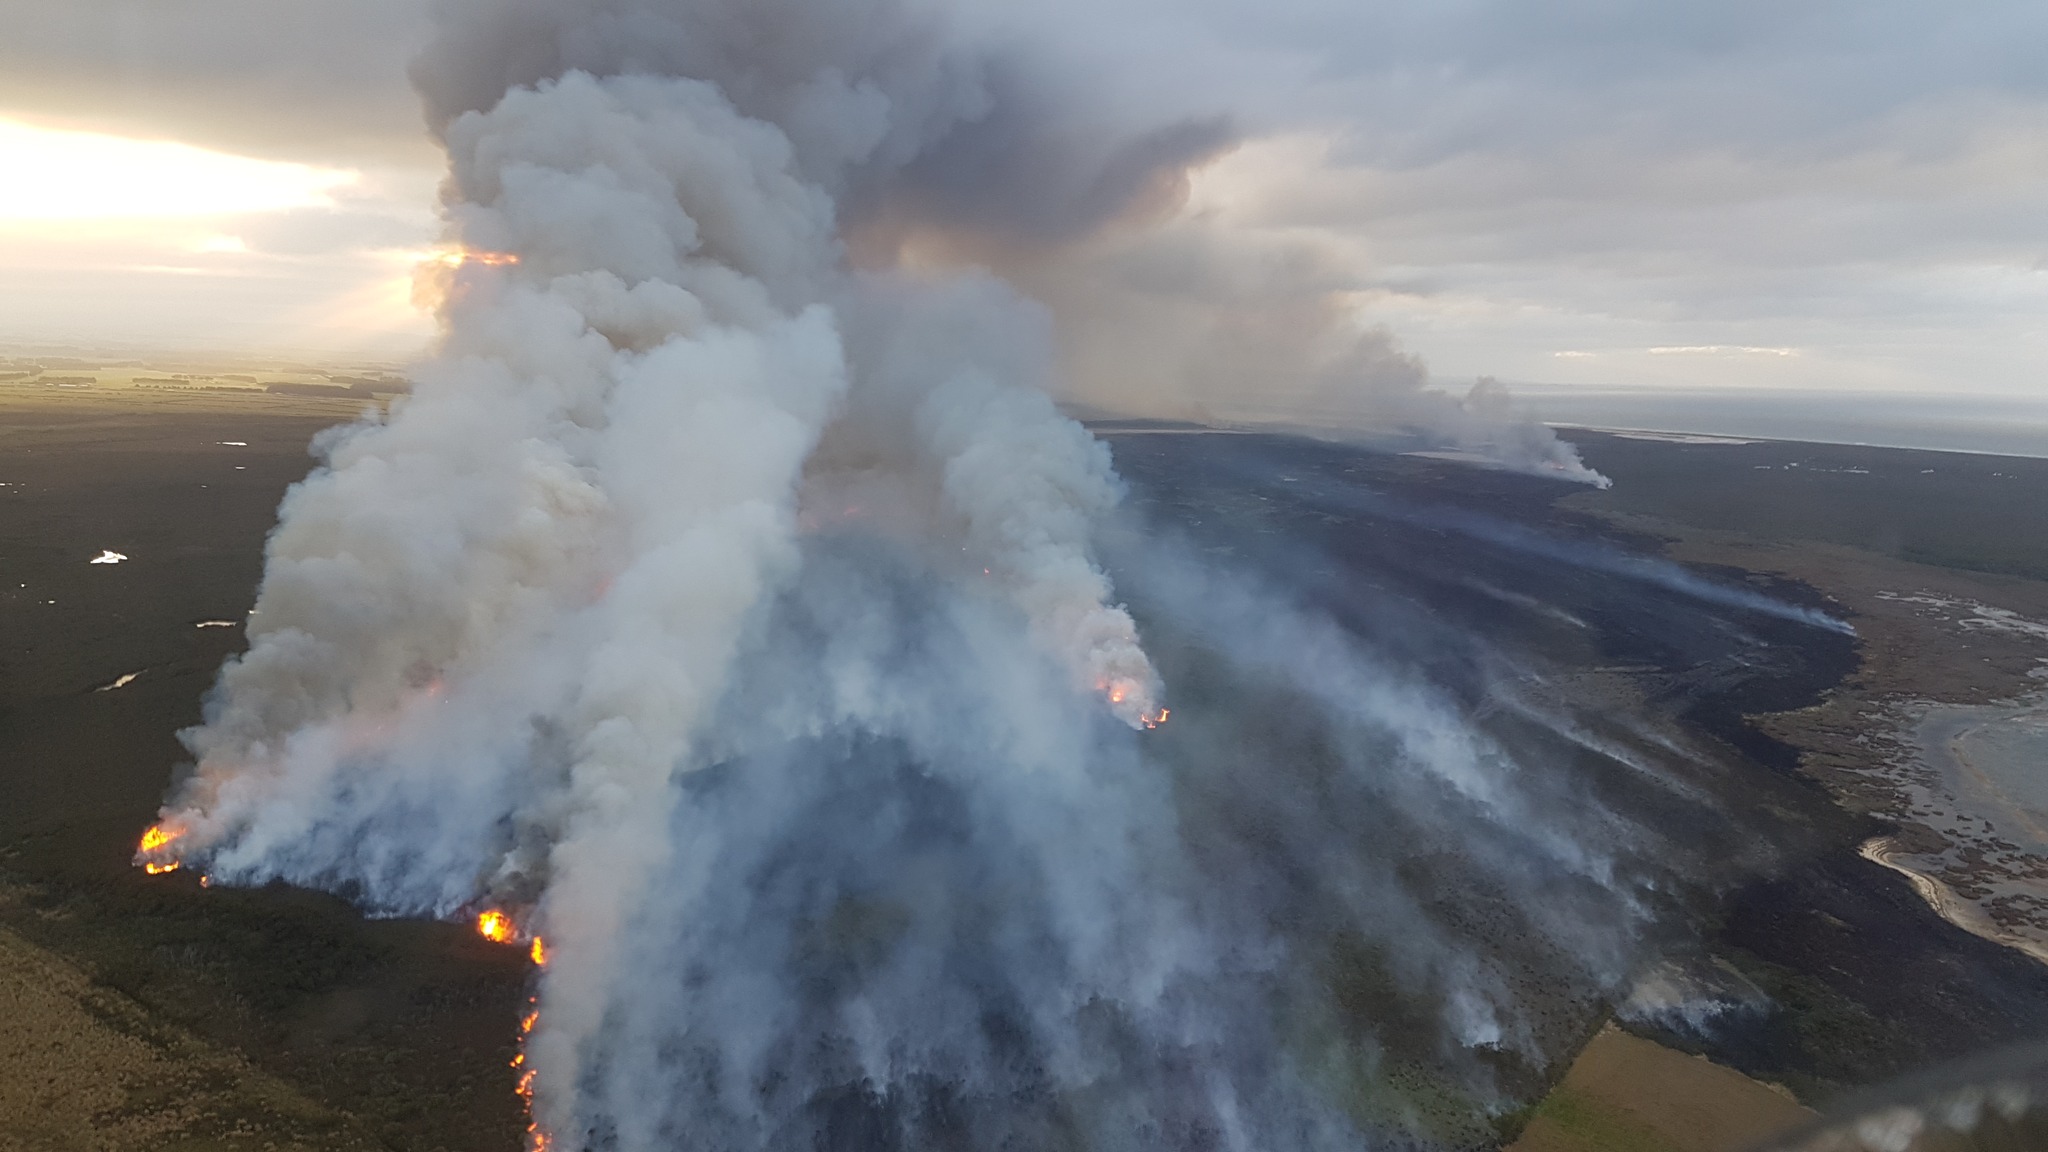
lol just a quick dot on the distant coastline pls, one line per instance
(1984, 423)
(1694, 435)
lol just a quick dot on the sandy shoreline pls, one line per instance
(1946, 902)
(1976, 778)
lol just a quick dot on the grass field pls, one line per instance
(1626, 1094)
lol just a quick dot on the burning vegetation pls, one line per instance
(1120, 692)
(495, 926)
(499, 927)
(536, 1139)
(153, 853)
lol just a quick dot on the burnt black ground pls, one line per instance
(1869, 982)
(409, 1025)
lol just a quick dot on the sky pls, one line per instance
(1797, 195)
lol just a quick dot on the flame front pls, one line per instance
(536, 1140)
(498, 927)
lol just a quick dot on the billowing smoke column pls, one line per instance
(727, 615)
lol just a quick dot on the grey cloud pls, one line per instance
(1518, 77)
(1019, 175)
(1612, 161)
(293, 79)
(879, 97)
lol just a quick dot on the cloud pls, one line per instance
(1497, 180)
(288, 79)
(333, 231)
(80, 175)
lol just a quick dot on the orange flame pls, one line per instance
(539, 953)
(464, 257)
(536, 1139)
(441, 279)
(158, 836)
(1119, 691)
(496, 927)
(154, 841)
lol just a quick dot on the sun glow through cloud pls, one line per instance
(173, 245)
(61, 175)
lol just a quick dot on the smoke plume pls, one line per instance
(1162, 310)
(723, 606)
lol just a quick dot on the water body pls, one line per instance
(1983, 785)
(2000, 424)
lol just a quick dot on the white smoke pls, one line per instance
(730, 615)
(559, 541)
(1170, 312)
